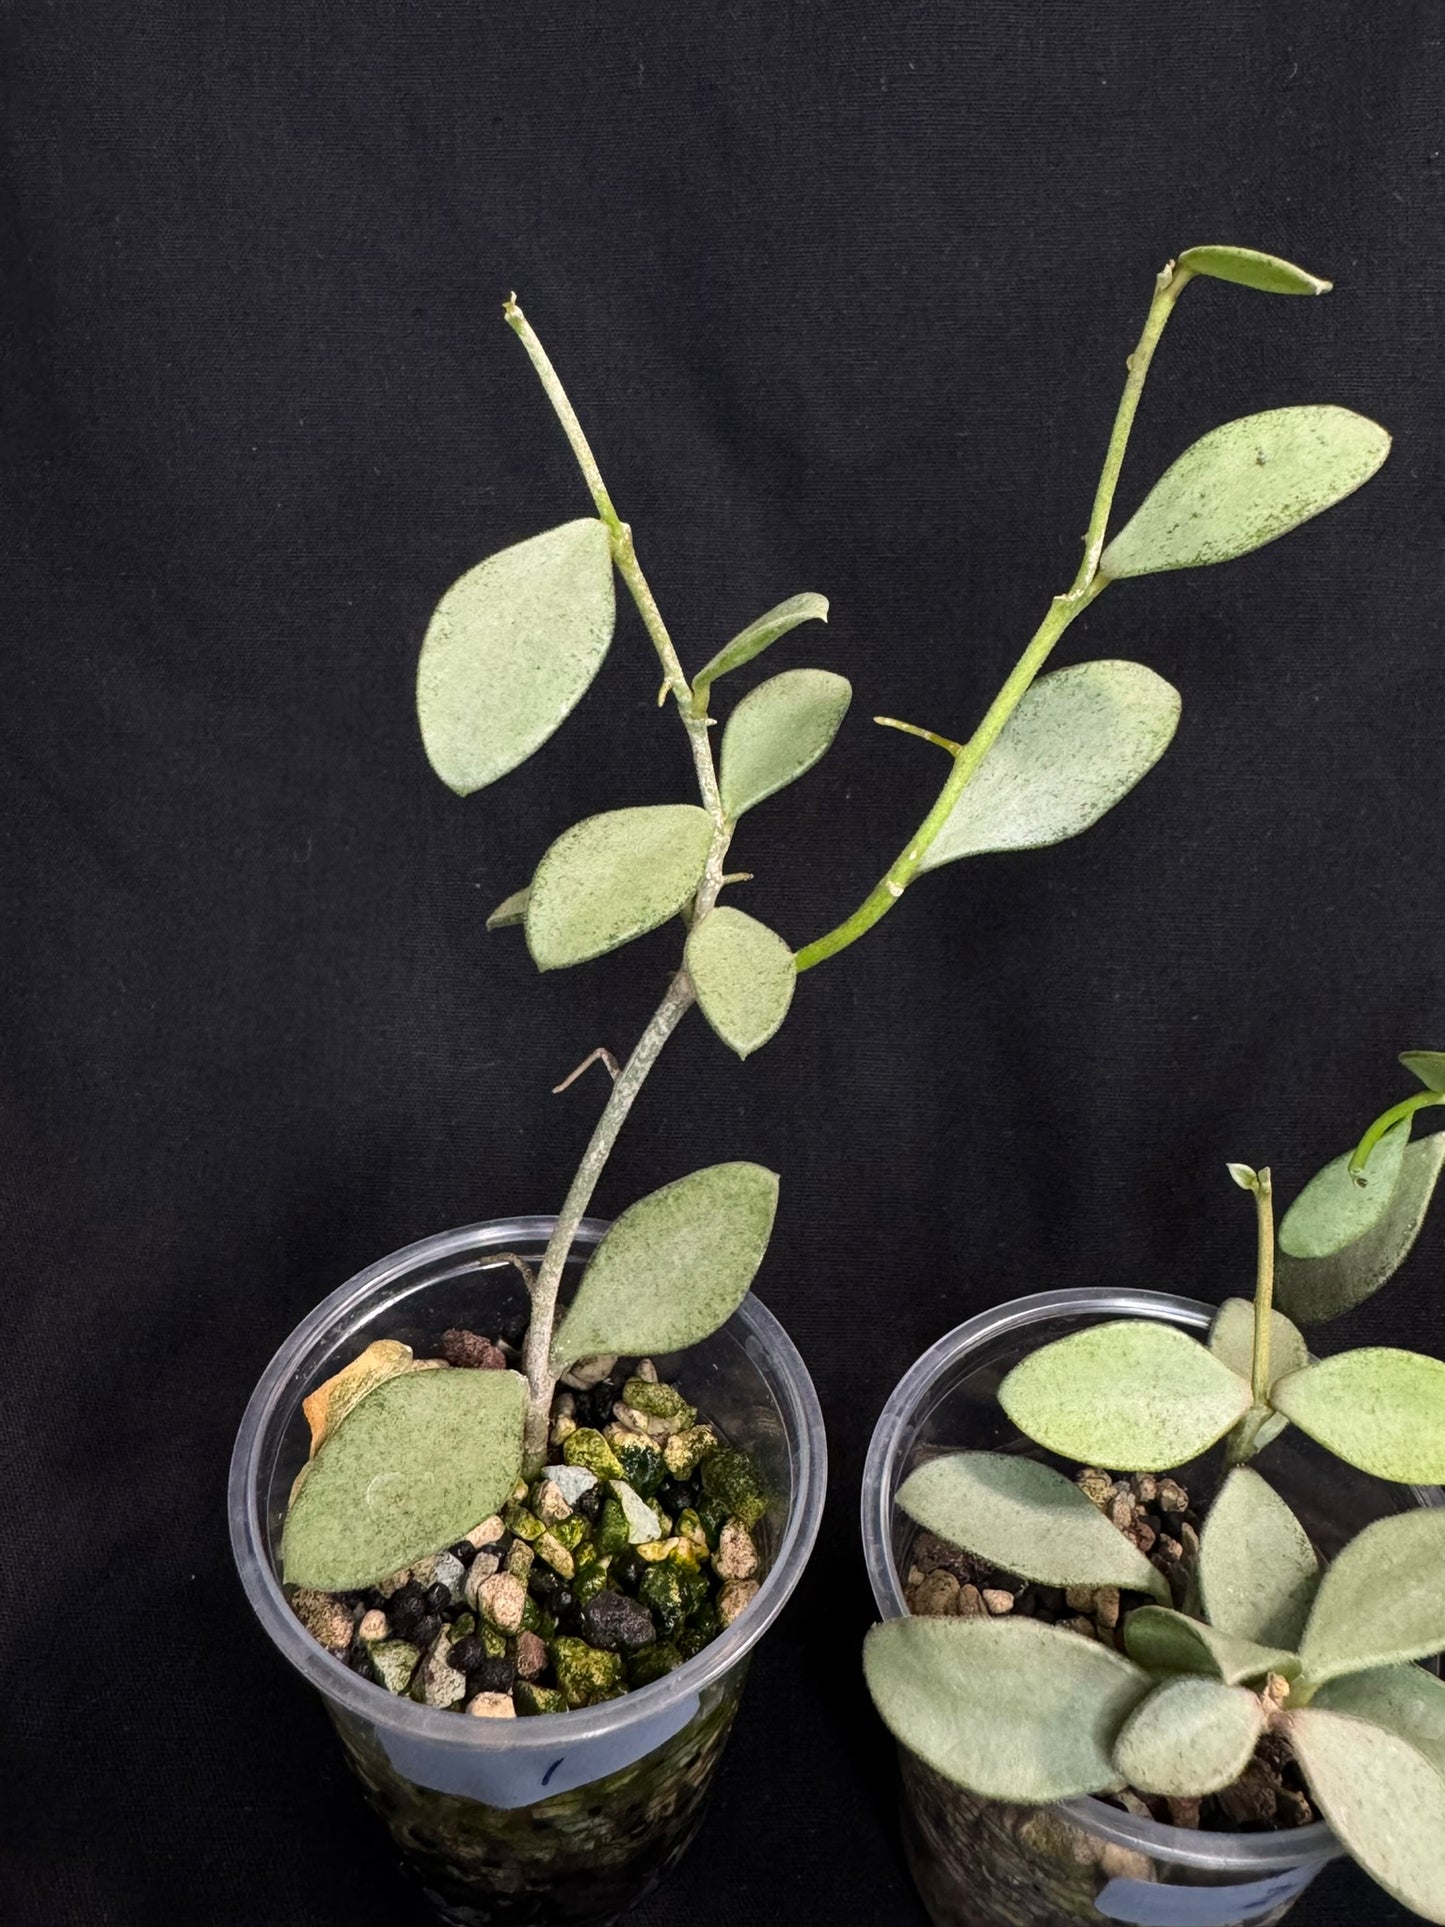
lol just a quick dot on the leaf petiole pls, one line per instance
(1386, 1121)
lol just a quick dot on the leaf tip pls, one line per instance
(1244, 1175)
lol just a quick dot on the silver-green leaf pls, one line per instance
(511, 651)
(1192, 1736)
(612, 877)
(1315, 1289)
(1383, 1800)
(511, 910)
(744, 977)
(674, 1267)
(753, 640)
(1231, 1339)
(1171, 1642)
(1378, 1408)
(1427, 1065)
(1257, 1569)
(1132, 1395)
(1078, 742)
(1334, 1210)
(1011, 1708)
(1404, 1700)
(1244, 484)
(413, 1466)
(1381, 1601)
(1026, 1518)
(779, 730)
(1250, 269)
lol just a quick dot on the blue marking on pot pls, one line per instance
(553, 1768)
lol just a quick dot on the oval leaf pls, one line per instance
(1025, 1518)
(779, 731)
(1171, 1642)
(1011, 1708)
(511, 651)
(1315, 1289)
(612, 877)
(675, 1265)
(1190, 1737)
(744, 977)
(1245, 484)
(1231, 1339)
(1404, 1700)
(510, 910)
(1382, 1600)
(753, 640)
(412, 1467)
(1382, 1798)
(1130, 1395)
(1333, 1210)
(1251, 269)
(1079, 740)
(1257, 1569)
(1428, 1066)
(1380, 1409)
(328, 1405)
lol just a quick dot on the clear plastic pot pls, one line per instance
(566, 1816)
(985, 1863)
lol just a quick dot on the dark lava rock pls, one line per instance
(615, 1623)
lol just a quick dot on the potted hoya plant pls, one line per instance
(519, 1499)
(1158, 1590)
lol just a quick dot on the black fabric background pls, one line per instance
(844, 294)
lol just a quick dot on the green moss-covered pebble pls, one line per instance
(684, 1452)
(729, 1478)
(659, 1401)
(589, 1448)
(643, 1465)
(660, 1590)
(571, 1532)
(394, 1660)
(713, 1515)
(588, 1580)
(529, 1698)
(550, 1548)
(524, 1524)
(652, 1662)
(585, 1675)
(611, 1535)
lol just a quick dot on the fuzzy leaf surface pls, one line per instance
(1026, 1518)
(1169, 1642)
(1381, 1601)
(511, 910)
(1011, 1708)
(511, 651)
(1244, 484)
(412, 1467)
(1191, 1736)
(1257, 1569)
(744, 977)
(1380, 1409)
(1078, 742)
(1427, 1065)
(328, 1405)
(1132, 1395)
(1383, 1800)
(1231, 1339)
(1404, 1700)
(613, 877)
(777, 732)
(1333, 1211)
(752, 641)
(674, 1267)
(1251, 269)
(1312, 1290)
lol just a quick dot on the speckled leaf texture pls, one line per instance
(778, 732)
(1130, 1394)
(1078, 742)
(744, 977)
(613, 877)
(1313, 1290)
(1251, 269)
(674, 1267)
(1246, 483)
(1257, 1569)
(1378, 1408)
(417, 1463)
(1190, 1737)
(1381, 1601)
(328, 1405)
(1404, 1700)
(1333, 1210)
(1382, 1798)
(753, 640)
(1026, 1518)
(1171, 1642)
(1012, 1708)
(511, 651)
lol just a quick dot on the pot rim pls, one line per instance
(1243, 1853)
(762, 1337)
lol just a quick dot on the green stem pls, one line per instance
(928, 735)
(1419, 1102)
(1087, 584)
(1263, 1286)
